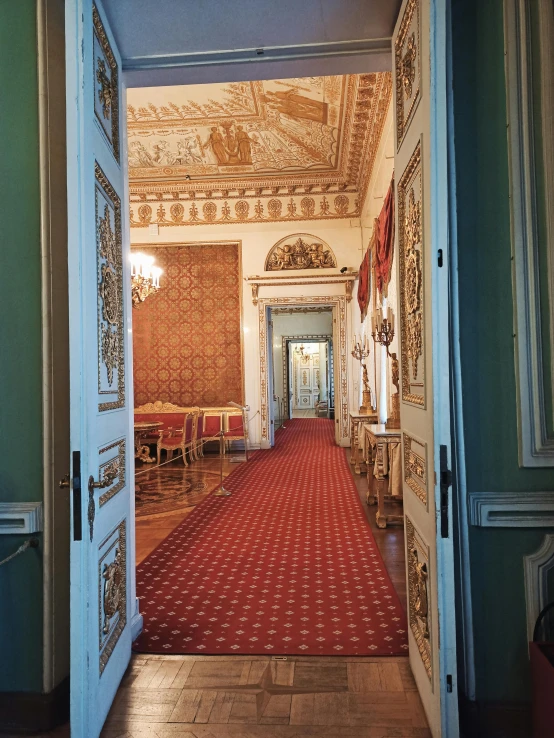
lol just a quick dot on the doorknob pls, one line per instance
(108, 477)
(64, 481)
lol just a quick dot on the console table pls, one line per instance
(356, 439)
(382, 453)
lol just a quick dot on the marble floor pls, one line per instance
(304, 413)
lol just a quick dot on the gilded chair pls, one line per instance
(198, 448)
(183, 440)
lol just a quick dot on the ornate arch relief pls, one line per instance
(300, 251)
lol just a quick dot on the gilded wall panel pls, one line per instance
(106, 85)
(419, 607)
(112, 591)
(111, 351)
(111, 468)
(415, 466)
(411, 260)
(407, 61)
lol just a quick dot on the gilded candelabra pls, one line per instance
(145, 278)
(360, 351)
(382, 331)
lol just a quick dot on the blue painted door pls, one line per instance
(102, 548)
(421, 202)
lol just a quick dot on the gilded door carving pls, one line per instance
(411, 258)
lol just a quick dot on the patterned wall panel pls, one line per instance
(111, 358)
(415, 466)
(106, 86)
(187, 338)
(411, 257)
(419, 609)
(112, 591)
(408, 69)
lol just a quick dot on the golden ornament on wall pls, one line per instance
(299, 253)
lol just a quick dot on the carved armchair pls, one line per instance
(183, 440)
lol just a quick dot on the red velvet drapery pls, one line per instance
(384, 243)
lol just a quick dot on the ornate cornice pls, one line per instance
(316, 193)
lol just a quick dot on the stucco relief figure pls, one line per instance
(231, 147)
(215, 142)
(162, 154)
(245, 148)
(188, 152)
(139, 156)
(297, 106)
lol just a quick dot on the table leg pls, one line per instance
(370, 466)
(380, 481)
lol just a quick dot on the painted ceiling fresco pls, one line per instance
(272, 150)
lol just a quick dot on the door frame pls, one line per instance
(286, 341)
(340, 331)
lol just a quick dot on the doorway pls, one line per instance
(111, 339)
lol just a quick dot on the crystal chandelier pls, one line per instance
(145, 277)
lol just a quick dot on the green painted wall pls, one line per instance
(488, 371)
(20, 339)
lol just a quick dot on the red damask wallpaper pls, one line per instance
(187, 338)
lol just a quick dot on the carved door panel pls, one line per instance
(102, 549)
(422, 226)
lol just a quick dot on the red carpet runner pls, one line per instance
(287, 565)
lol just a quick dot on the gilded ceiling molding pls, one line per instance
(169, 213)
(310, 186)
(300, 251)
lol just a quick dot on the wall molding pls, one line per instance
(21, 518)
(511, 509)
(536, 447)
(536, 568)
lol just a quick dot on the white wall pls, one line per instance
(344, 238)
(377, 190)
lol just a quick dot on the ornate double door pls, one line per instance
(421, 203)
(102, 547)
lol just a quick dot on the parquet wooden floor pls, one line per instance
(257, 697)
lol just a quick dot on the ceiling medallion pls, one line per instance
(299, 254)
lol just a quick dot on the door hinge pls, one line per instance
(445, 484)
(449, 682)
(440, 257)
(76, 485)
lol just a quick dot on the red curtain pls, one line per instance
(384, 246)
(363, 284)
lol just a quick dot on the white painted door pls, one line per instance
(419, 92)
(102, 548)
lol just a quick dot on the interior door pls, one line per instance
(102, 548)
(419, 92)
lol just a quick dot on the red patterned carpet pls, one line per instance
(287, 565)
